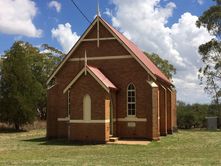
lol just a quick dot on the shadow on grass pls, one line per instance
(62, 142)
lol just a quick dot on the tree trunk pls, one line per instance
(17, 127)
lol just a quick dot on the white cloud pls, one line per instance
(65, 36)
(16, 18)
(56, 5)
(200, 1)
(145, 22)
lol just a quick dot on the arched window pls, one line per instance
(131, 100)
(87, 108)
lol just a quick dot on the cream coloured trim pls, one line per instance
(99, 81)
(90, 121)
(63, 119)
(71, 51)
(69, 103)
(74, 80)
(101, 39)
(127, 48)
(98, 32)
(162, 86)
(82, 121)
(130, 119)
(81, 39)
(102, 58)
(152, 84)
(51, 86)
(169, 90)
(79, 74)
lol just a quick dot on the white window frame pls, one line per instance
(134, 90)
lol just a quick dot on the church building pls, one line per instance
(107, 87)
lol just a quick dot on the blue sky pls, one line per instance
(47, 18)
(169, 30)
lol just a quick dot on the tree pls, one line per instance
(193, 116)
(164, 65)
(43, 63)
(210, 52)
(19, 89)
(24, 72)
(211, 19)
(211, 70)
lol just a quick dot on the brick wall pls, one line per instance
(86, 84)
(163, 110)
(88, 132)
(174, 111)
(121, 72)
(155, 130)
(139, 131)
(51, 113)
(169, 112)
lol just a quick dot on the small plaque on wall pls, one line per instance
(131, 124)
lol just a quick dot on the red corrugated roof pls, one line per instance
(101, 77)
(140, 55)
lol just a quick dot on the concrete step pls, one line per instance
(113, 139)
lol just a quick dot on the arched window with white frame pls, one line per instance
(131, 100)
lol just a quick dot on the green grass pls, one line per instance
(182, 148)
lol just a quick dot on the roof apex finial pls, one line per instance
(98, 9)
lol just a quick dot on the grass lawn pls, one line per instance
(183, 148)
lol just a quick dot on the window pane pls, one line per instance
(132, 112)
(131, 99)
(133, 93)
(128, 111)
(131, 87)
(133, 106)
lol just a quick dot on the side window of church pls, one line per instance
(131, 100)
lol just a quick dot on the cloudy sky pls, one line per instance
(165, 27)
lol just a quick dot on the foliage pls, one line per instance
(211, 51)
(43, 63)
(163, 64)
(211, 19)
(182, 148)
(24, 72)
(193, 116)
(211, 70)
(20, 90)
